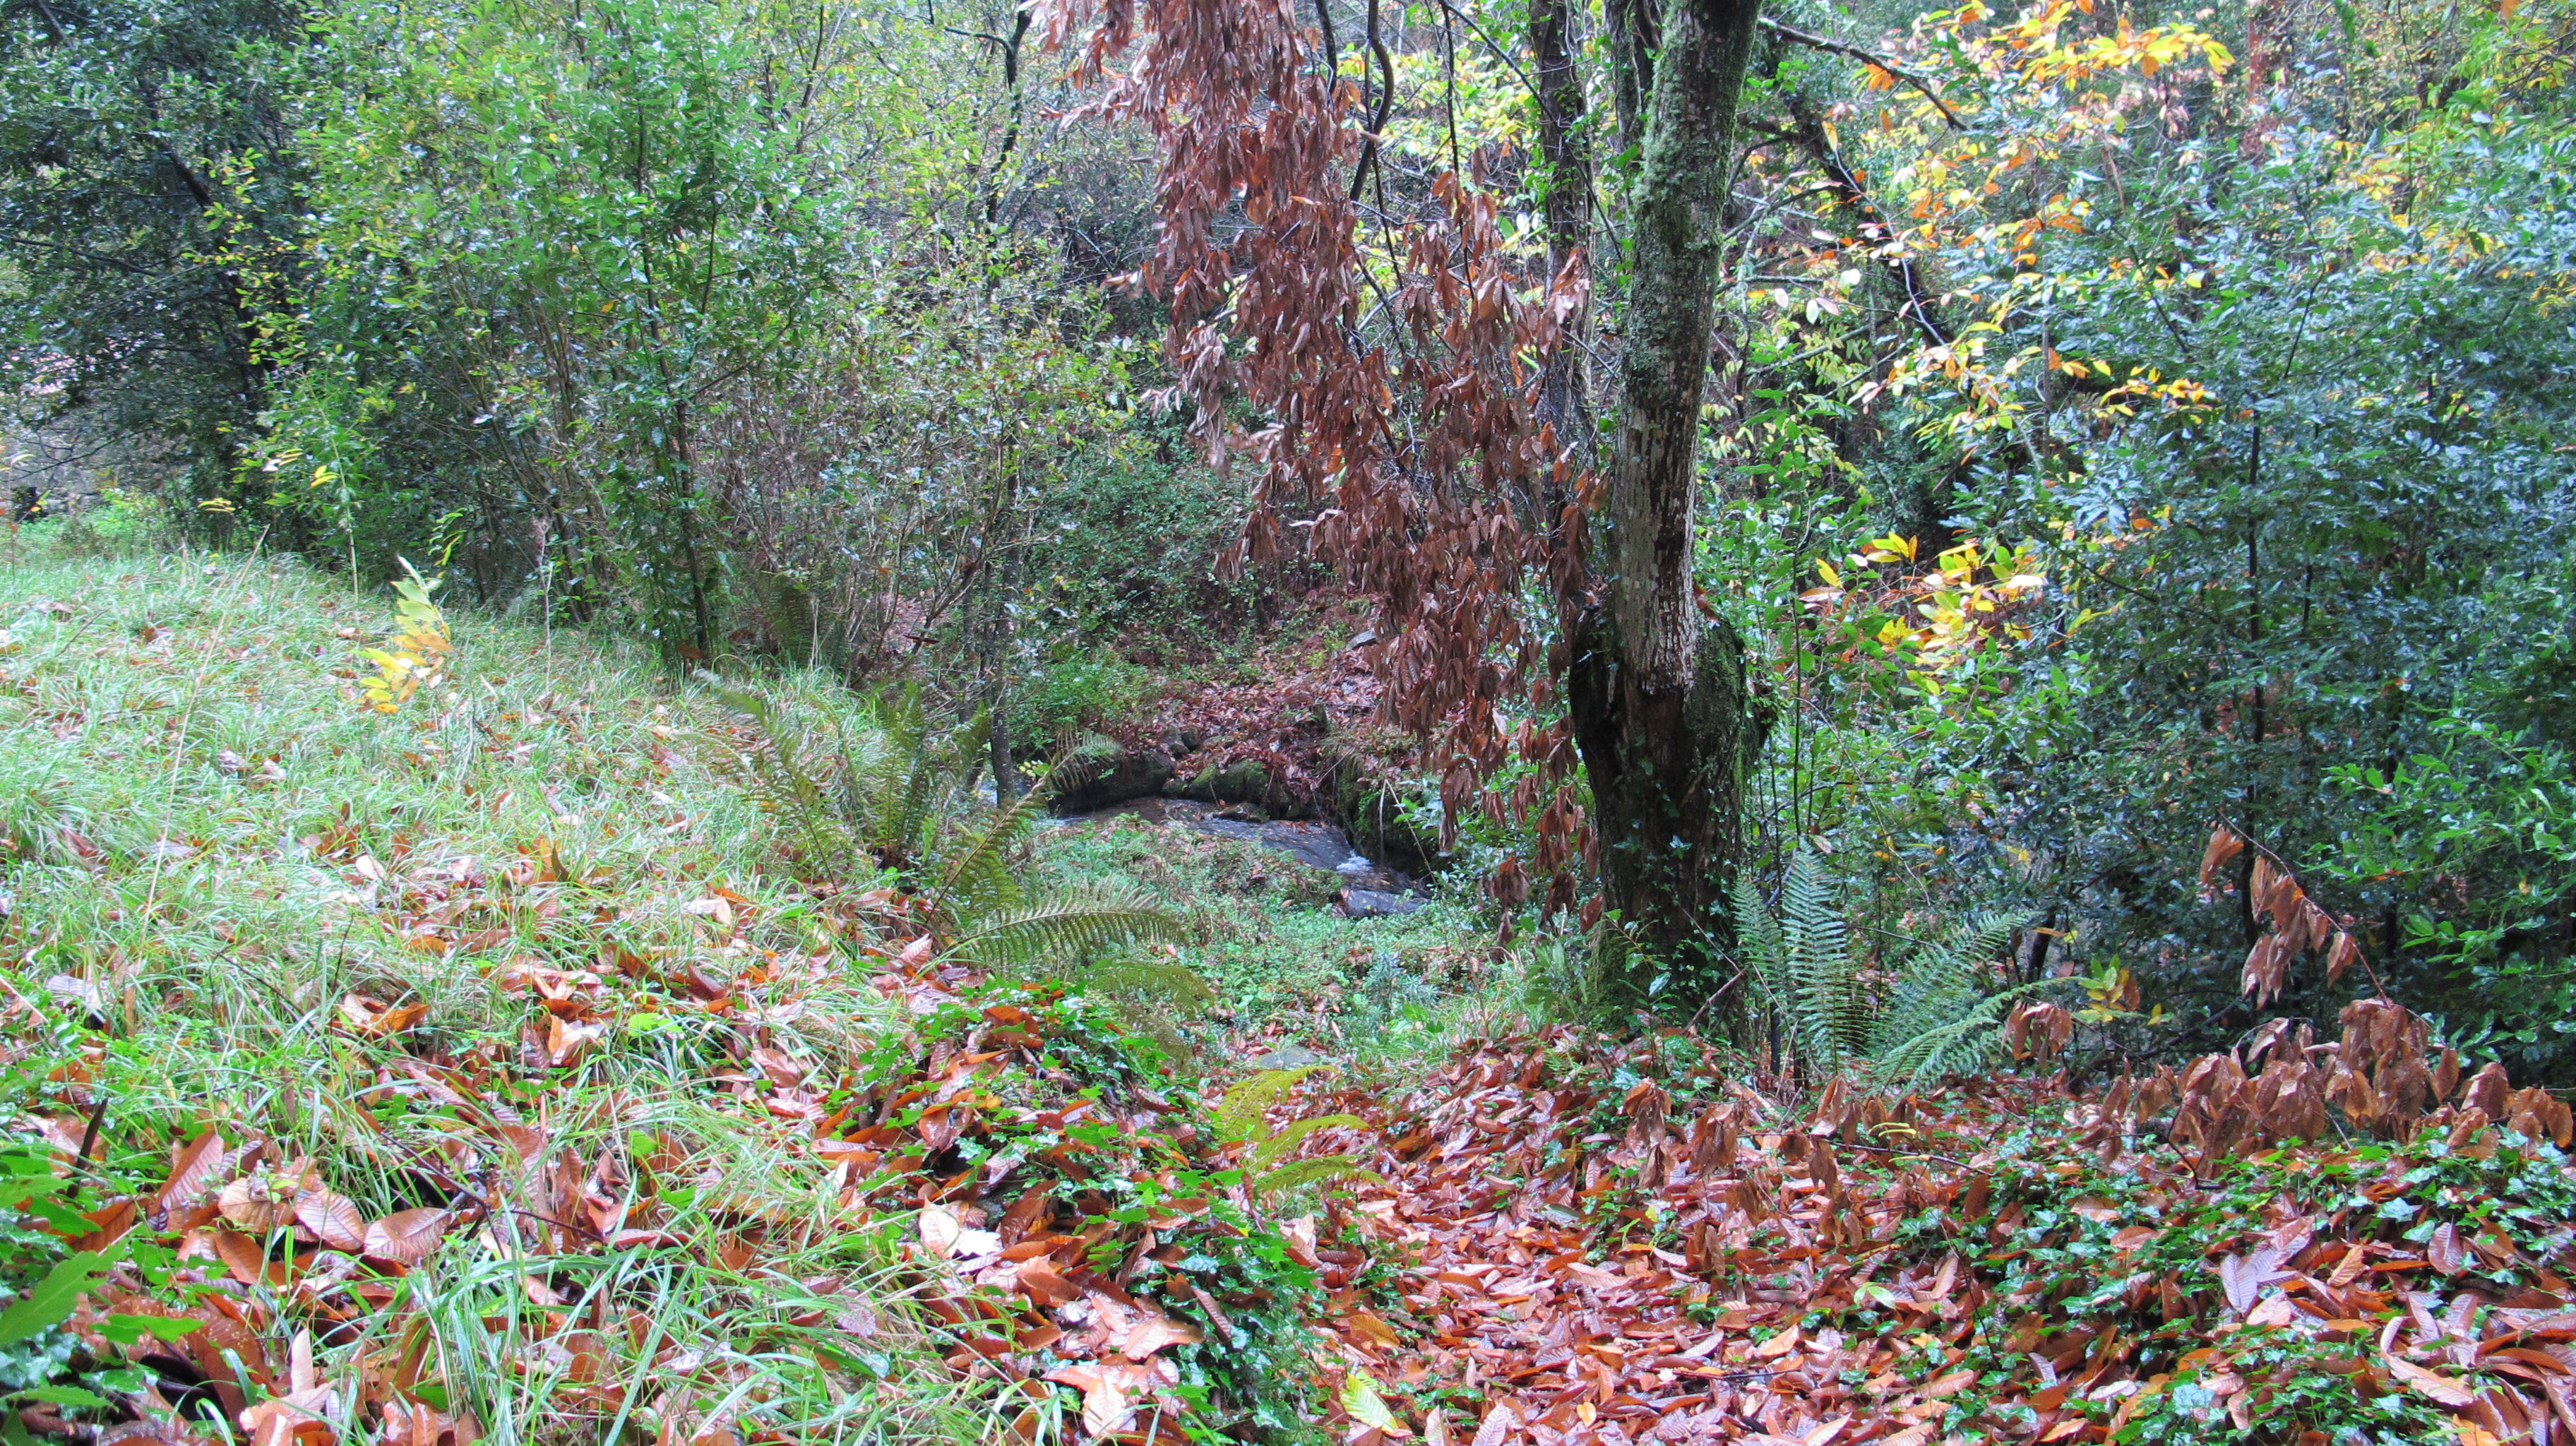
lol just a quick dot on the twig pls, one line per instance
(1818, 42)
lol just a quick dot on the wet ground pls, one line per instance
(1313, 842)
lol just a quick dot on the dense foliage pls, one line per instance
(2123, 419)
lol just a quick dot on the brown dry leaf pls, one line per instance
(2224, 844)
(1108, 1394)
(277, 1422)
(1500, 1424)
(1150, 1333)
(567, 1043)
(410, 1423)
(406, 1237)
(2440, 1390)
(242, 1256)
(333, 1219)
(1039, 1278)
(2445, 1251)
(940, 1229)
(251, 1203)
(193, 1171)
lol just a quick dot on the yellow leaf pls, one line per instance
(1366, 1406)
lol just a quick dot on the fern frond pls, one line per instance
(1281, 1145)
(786, 781)
(1238, 1115)
(1319, 1170)
(1964, 1041)
(1073, 922)
(975, 873)
(1944, 1014)
(1171, 982)
(1828, 1008)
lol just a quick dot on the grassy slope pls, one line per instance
(207, 846)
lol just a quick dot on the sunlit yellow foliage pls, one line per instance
(415, 655)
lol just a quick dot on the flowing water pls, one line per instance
(1315, 843)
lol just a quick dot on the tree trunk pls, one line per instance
(1633, 37)
(1659, 703)
(1564, 400)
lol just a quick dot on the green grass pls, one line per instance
(1281, 965)
(207, 845)
(209, 848)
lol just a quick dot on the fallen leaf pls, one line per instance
(1151, 1333)
(407, 1237)
(2440, 1390)
(333, 1219)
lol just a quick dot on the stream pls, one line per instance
(1316, 843)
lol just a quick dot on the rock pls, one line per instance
(1243, 781)
(1100, 771)
(1379, 828)
(1374, 904)
(1286, 1056)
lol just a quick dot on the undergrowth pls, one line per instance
(237, 900)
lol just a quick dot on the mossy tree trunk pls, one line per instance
(1658, 694)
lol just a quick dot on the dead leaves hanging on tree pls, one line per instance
(2299, 925)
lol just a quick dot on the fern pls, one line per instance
(1802, 959)
(1075, 921)
(1940, 1014)
(1322, 1169)
(1942, 1017)
(975, 870)
(1832, 1008)
(894, 792)
(1238, 1116)
(1163, 979)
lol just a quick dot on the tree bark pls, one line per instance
(1564, 400)
(1633, 27)
(1660, 708)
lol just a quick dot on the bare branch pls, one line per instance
(1818, 42)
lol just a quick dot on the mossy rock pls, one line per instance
(1242, 781)
(1099, 771)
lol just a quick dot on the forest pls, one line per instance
(737, 723)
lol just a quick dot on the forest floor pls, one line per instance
(479, 1072)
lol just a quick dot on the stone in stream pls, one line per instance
(1100, 771)
(1243, 781)
(1374, 903)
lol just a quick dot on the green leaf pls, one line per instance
(1360, 1398)
(57, 1295)
(65, 1396)
(128, 1330)
(16, 1189)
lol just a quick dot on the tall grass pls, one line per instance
(207, 846)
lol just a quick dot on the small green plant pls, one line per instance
(1940, 1011)
(891, 793)
(1267, 1170)
(415, 656)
